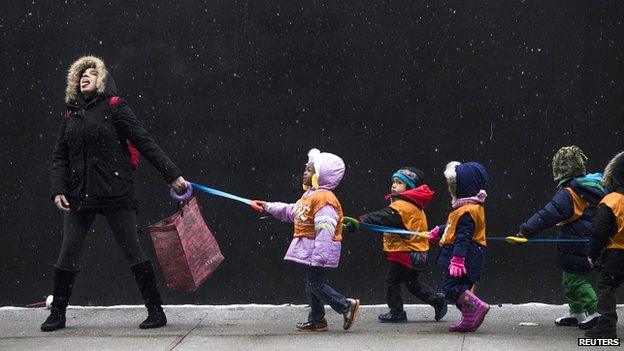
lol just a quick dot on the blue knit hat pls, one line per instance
(412, 177)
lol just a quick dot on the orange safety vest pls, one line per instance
(615, 201)
(580, 205)
(414, 220)
(307, 207)
(477, 213)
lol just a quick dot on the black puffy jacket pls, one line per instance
(91, 161)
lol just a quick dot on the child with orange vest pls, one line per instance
(406, 255)
(606, 248)
(317, 217)
(463, 242)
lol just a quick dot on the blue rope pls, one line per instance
(371, 227)
(500, 238)
(384, 229)
(216, 192)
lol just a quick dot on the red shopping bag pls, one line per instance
(186, 249)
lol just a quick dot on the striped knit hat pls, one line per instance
(412, 177)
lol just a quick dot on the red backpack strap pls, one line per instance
(134, 153)
(113, 101)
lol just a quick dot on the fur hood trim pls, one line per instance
(75, 71)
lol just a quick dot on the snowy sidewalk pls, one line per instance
(269, 327)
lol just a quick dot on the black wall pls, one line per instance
(237, 92)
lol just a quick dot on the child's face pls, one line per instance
(397, 186)
(308, 173)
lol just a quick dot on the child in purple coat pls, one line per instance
(317, 218)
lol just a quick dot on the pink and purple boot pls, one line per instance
(473, 312)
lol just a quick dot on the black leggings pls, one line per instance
(123, 224)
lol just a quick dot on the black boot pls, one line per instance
(605, 328)
(144, 276)
(600, 333)
(63, 285)
(440, 306)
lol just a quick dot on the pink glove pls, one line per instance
(434, 234)
(457, 268)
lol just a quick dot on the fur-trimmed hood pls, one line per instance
(613, 177)
(72, 91)
(466, 179)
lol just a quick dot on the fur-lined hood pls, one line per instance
(466, 179)
(613, 177)
(75, 71)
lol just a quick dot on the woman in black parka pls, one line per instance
(92, 174)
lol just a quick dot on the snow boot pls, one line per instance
(144, 276)
(473, 311)
(63, 285)
(602, 330)
(440, 306)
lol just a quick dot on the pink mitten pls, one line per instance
(434, 234)
(457, 268)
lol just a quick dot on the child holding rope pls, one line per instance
(317, 217)
(572, 211)
(406, 255)
(463, 242)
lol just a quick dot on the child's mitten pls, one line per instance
(457, 268)
(350, 224)
(434, 234)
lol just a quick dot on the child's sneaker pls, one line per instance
(351, 313)
(390, 317)
(589, 320)
(570, 319)
(320, 326)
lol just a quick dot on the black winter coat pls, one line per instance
(91, 161)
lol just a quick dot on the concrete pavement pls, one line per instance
(271, 327)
